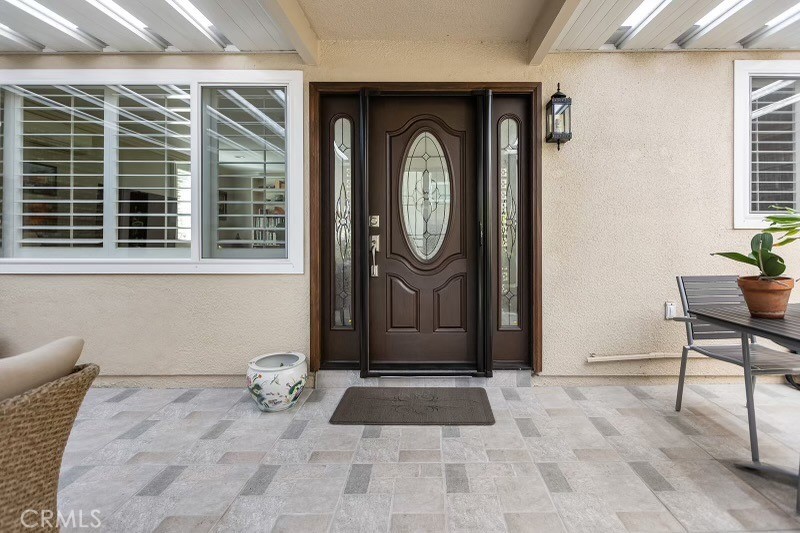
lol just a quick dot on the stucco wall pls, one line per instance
(644, 192)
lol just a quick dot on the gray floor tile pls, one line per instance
(125, 394)
(604, 426)
(574, 393)
(553, 477)
(358, 480)
(527, 428)
(163, 480)
(449, 432)
(259, 482)
(510, 394)
(179, 524)
(533, 522)
(371, 432)
(417, 523)
(363, 512)
(187, 396)
(649, 521)
(651, 477)
(310, 523)
(294, 430)
(71, 475)
(475, 512)
(138, 429)
(456, 480)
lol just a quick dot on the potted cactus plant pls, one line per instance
(767, 294)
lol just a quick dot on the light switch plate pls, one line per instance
(670, 310)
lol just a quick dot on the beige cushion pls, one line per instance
(32, 369)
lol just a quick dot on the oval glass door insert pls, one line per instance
(425, 196)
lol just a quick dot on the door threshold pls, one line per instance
(428, 373)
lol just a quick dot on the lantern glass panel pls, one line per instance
(561, 118)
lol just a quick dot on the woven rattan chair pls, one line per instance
(34, 428)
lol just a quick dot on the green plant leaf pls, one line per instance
(784, 241)
(761, 242)
(736, 256)
(772, 265)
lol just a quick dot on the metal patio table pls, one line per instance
(785, 332)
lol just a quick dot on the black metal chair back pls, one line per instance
(708, 290)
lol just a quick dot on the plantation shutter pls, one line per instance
(774, 146)
(59, 150)
(153, 168)
(244, 135)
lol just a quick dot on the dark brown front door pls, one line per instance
(444, 181)
(422, 202)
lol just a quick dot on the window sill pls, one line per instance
(145, 267)
(750, 222)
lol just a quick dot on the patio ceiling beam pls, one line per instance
(551, 20)
(292, 21)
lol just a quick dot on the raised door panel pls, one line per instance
(450, 305)
(402, 305)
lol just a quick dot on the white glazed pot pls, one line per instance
(276, 380)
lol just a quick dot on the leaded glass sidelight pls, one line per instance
(509, 222)
(425, 196)
(343, 224)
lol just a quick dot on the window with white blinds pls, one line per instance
(59, 151)
(156, 171)
(766, 141)
(244, 178)
(153, 171)
(773, 143)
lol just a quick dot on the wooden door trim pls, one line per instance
(317, 89)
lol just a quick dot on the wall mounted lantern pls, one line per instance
(559, 118)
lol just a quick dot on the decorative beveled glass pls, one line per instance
(342, 224)
(425, 195)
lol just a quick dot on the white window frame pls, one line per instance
(743, 72)
(196, 263)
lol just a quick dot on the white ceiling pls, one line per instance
(422, 20)
(257, 26)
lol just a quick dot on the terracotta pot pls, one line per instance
(766, 298)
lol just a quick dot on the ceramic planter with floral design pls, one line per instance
(276, 380)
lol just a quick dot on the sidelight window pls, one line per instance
(342, 209)
(509, 222)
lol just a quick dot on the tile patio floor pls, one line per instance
(577, 458)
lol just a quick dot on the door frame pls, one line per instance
(316, 91)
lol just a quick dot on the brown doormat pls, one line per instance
(414, 406)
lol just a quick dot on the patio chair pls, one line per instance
(723, 290)
(34, 427)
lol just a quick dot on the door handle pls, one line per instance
(374, 245)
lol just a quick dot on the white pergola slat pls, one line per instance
(170, 24)
(787, 37)
(245, 23)
(669, 24)
(594, 22)
(11, 45)
(35, 29)
(739, 25)
(100, 25)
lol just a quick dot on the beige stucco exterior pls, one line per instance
(644, 192)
